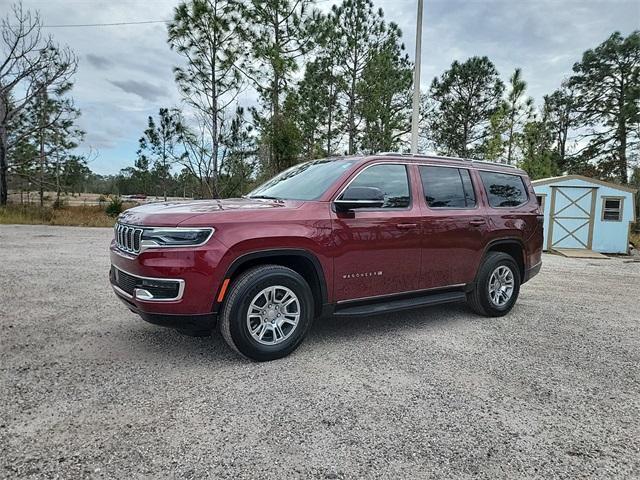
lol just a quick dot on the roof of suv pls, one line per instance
(469, 163)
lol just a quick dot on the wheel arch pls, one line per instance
(513, 247)
(299, 260)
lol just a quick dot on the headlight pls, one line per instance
(175, 237)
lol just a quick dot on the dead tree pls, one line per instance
(32, 63)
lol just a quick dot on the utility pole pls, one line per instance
(415, 116)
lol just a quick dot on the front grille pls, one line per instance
(124, 281)
(160, 289)
(128, 237)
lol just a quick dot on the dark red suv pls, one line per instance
(351, 236)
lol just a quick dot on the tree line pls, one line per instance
(328, 84)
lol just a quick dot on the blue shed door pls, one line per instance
(572, 215)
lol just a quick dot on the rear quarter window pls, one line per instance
(503, 189)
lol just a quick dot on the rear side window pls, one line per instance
(504, 190)
(391, 179)
(446, 187)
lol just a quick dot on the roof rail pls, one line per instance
(497, 164)
(421, 155)
(443, 157)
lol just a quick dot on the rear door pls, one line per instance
(378, 249)
(454, 226)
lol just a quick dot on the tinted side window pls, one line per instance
(446, 187)
(392, 180)
(504, 190)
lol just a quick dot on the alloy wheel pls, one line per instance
(273, 315)
(501, 286)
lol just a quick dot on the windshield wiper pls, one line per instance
(265, 197)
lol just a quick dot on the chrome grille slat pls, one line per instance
(128, 238)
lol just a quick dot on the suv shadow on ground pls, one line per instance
(332, 332)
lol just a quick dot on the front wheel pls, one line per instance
(497, 286)
(267, 313)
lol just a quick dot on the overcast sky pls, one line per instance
(125, 72)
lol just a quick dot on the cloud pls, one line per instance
(126, 73)
(144, 90)
(98, 61)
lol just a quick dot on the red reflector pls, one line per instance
(223, 290)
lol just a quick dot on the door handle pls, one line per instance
(477, 222)
(406, 226)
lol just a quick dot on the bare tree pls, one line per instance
(32, 64)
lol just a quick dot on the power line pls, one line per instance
(114, 24)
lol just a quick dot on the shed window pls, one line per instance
(612, 209)
(541, 199)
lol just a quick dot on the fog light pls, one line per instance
(143, 294)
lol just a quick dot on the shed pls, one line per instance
(582, 213)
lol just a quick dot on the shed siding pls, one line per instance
(608, 236)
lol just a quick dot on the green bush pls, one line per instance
(114, 208)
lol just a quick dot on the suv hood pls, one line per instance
(171, 214)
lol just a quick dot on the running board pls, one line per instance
(397, 305)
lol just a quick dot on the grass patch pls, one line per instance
(84, 216)
(635, 239)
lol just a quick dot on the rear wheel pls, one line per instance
(267, 313)
(497, 286)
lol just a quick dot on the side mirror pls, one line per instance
(360, 197)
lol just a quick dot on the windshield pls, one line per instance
(305, 181)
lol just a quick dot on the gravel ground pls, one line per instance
(87, 390)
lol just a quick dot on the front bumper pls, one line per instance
(183, 322)
(177, 281)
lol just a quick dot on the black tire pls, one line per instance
(479, 298)
(233, 315)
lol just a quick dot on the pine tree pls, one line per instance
(160, 145)
(607, 95)
(384, 96)
(318, 111)
(466, 96)
(518, 111)
(48, 125)
(561, 111)
(209, 35)
(359, 29)
(494, 145)
(280, 33)
(241, 163)
(536, 145)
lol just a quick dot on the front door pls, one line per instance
(378, 250)
(572, 213)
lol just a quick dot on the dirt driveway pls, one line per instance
(89, 390)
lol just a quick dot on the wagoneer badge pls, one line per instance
(363, 274)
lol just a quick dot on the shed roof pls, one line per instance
(551, 180)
